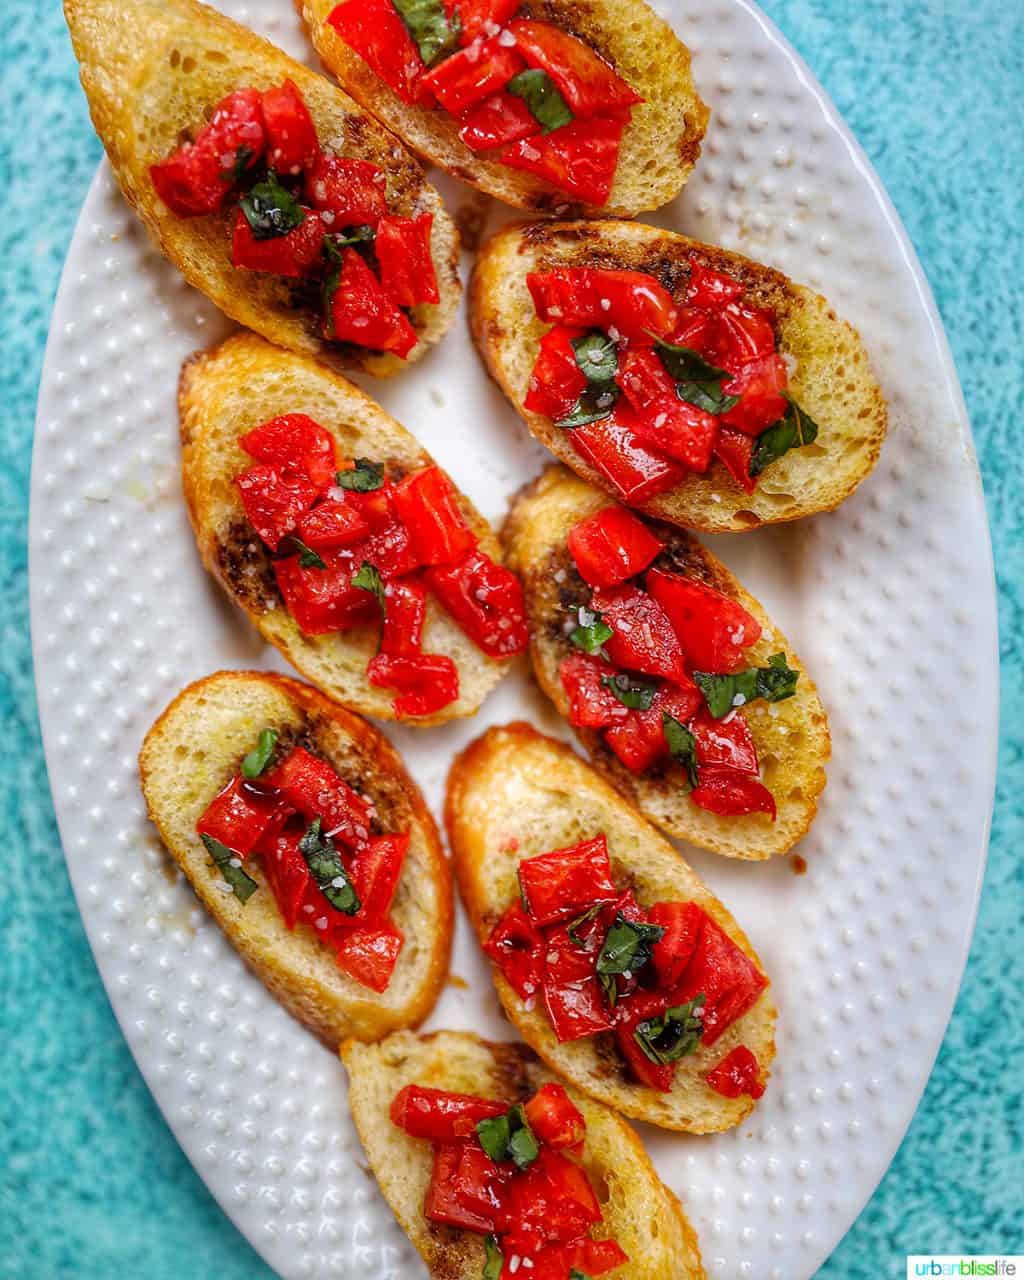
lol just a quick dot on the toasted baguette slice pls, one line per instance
(189, 755)
(830, 377)
(154, 68)
(791, 737)
(659, 147)
(514, 793)
(233, 388)
(640, 1212)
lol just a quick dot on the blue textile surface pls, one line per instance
(92, 1184)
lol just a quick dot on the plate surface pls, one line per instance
(890, 602)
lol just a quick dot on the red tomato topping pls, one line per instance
(375, 31)
(737, 1073)
(427, 503)
(557, 379)
(642, 639)
(709, 288)
(573, 995)
(313, 787)
(369, 954)
(731, 794)
(242, 814)
(388, 549)
(644, 378)
(195, 179)
(554, 1118)
(322, 600)
(467, 1189)
(585, 80)
(361, 312)
(729, 980)
(275, 500)
(498, 120)
(291, 255)
(291, 134)
(406, 264)
(682, 922)
(735, 449)
(637, 304)
(759, 384)
(402, 635)
(713, 629)
(486, 600)
(476, 15)
(725, 743)
(440, 1115)
(639, 1008)
(425, 682)
(562, 883)
(287, 874)
(595, 1257)
(517, 948)
(472, 74)
(579, 158)
(591, 704)
(376, 870)
(634, 471)
(353, 192)
(331, 525)
(551, 1200)
(294, 441)
(672, 426)
(638, 739)
(611, 546)
(743, 334)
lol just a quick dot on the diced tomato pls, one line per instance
(322, 600)
(725, 743)
(634, 471)
(550, 1201)
(713, 629)
(585, 80)
(498, 120)
(480, 16)
(726, 976)
(595, 1257)
(638, 739)
(486, 600)
(427, 503)
(709, 288)
(376, 870)
(731, 794)
(389, 549)
(517, 948)
(672, 426)
(369, 953)
(425, 682)
(680, 700)
(694, 328)
(291, 255)
(195, 178)
(637, 304)
(611, 546)
(275, 500)
(375, 31)
(314, 787)
(440, 1115)
(242, 814)
(481, 1185)
(472, 74)
(402, 636)
(564, 882)
(591, 704)
(443, 1202)
(743, 334)
(554, 1118)
(295, 441)
(361, 312)
(579, 158)
(631, 1012)
(735, 449)
(353, 192)
(287, 873)
(644, 378)
(291, 134)
(642, 639)
(331, 525)
(759, 385)
(557, 379)
(682, 922)
(737, 1073)
(573, 995)
(406, 264)
(374, 505)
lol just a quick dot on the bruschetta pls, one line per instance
(685, 380)
(494, 1169)
(342, 541)
(266, 186)
(683, 693)
(301, 833)
(559, 106)
(613, 960)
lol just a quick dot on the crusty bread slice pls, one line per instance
(233, 388)
(154, 68)
(640, 1212)
(189, 754)
(659, 147)
(830, 377)
(513, 794)
(792, 737)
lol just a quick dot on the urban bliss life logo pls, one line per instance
(951, 1265)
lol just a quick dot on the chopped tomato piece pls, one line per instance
(637, 304)
(352, 192)
(642, 639)
(498, 120)
(275, 500)
(644, 378)
(482, 16)
(195, 179)
(425, 682)
(709, 288)
(443, 1203)
(473, 73)
(242, 814)
(726, 976)
(375, 31)
(611, 546)
(402, 636)
(735, 449)
(671, 425)
(295, 441)
(322, 600)
(517, 948)
(737, 1073)
(550, 1201)
(554, 1118)
(591, 704)
(376, 870)
(564, 882)
(732, 794)
(317, 791)
(291, 134)
(557, 379)
(713, 629)
(361, 312)
(726, 743)
(291, 255)
(742, 334)
(633, 470)
(287, 873)
(331, 525)
(389, 549)
(486, 600)
(579, 158)
(440, 1115)
(595, 1257)
(759, 384)
(682, 922)
(585, 80)
(631, 1012)
(369, 954)
(481, 1185)
(406, 263)
(427, 503)
(639, 738)
(573, 995)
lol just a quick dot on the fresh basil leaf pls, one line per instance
(673, 1034)
(368, 579)
(774, 683)
(792, 431)
(522, 1145)
(592, 631)
(682, 746)
(328, 870)
(243, 157)
(229, 864)
(627, 945)
(308, 558)
(334, 244)
(576, 1274)
(364, 477)
(576, 925)
(539, 92)
(632, 691)
(271, 210)
(508, 1137)
(697, 382)
(258, 759)
(433, 33)
(597, 356)
(494, 1261)
(597, 400)
(610, 987)
(493, 1135)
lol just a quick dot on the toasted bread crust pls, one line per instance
(633, 1197)
(188, 756)
(514, 793)
(153, 68)
(831, 378)
(659, 147)
(792, 737)
(225, 392)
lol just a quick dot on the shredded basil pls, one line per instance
(792, 431)
(364, 477)
(697, 382)
(368, 579)
(628, 945)
(574, 927)
(576, 1274)
(610, 987)
(592, 631)
(682, 746)
(308, 558)
(328, 870)
(508, 1137)
(271, 210)
(495, 1259)
(334, 244)
(632, 691)
(596, 356)
(433, 33)
(773, 683)
(242, 885)
(258, 759)
(673, 1034)
(596, 401)
(539, 92)
(243, 157)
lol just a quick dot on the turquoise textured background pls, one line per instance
(92, 1184)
